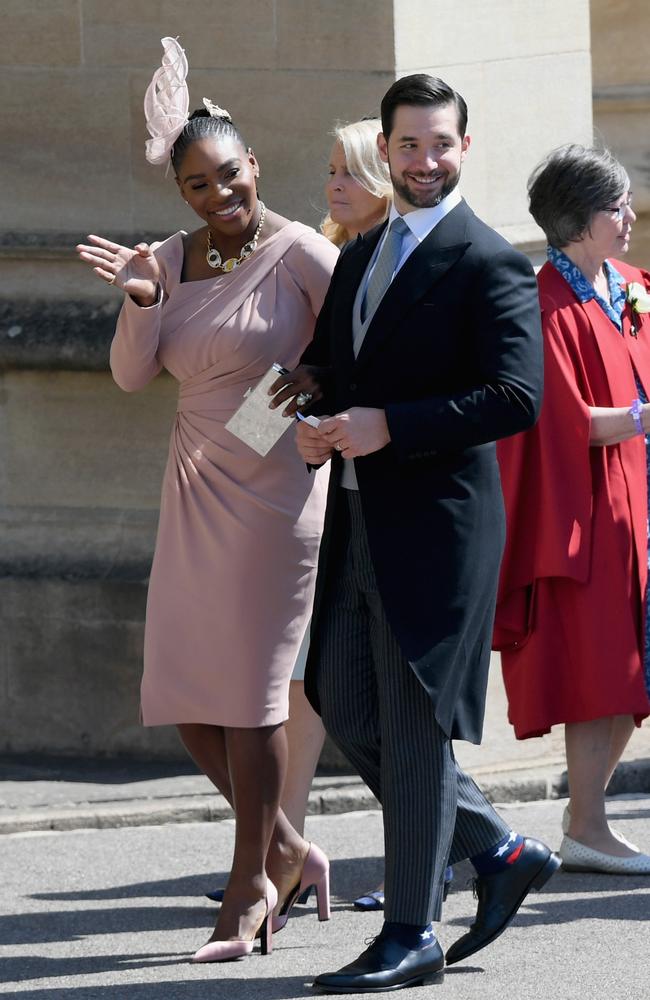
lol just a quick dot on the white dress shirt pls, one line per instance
(421, 221)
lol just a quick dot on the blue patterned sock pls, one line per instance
(411, 936)
(498, 857)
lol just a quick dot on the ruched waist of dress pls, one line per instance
(210, 391)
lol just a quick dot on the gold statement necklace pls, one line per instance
(213, 256)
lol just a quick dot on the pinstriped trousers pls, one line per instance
(379, 715)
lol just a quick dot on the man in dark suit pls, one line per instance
(427, 350)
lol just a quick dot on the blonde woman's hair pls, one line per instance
(359, 142)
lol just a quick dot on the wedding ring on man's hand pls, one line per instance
(111, 280)
(338, 447)
(303, 398)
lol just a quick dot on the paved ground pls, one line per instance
(104, 866)
(41, 794)
(114, 914)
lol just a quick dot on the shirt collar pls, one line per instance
(613, 275)
(422, 220)
(583, 288)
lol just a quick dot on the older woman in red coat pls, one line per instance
(571, 617)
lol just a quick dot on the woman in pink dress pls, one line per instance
(234, 568)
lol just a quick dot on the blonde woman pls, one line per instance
(358, 189)
(358, 197)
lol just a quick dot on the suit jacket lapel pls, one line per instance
(427, 264)
(357, 259)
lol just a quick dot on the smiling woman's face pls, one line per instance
(217, 179)
(350, 204)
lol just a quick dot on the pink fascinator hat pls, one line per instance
(166, 103)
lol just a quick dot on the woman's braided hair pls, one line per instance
(202, 125)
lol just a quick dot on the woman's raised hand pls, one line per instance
(135, 270)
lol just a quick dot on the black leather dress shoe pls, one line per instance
(386, 965)
(500, 896)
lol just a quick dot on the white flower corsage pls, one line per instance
(639, 298)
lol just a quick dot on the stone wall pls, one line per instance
(620, 30)
(81, 462)
(525, 72)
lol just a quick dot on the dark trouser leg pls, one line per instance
(347, 685)
(478, 824)
(380, 716)
(418, 780)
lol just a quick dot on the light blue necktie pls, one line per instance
(384, 269)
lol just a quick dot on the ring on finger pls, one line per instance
(338, 447)
(111, 280)
(303, 398)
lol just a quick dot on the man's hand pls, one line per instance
(313, 448)
(355, 432)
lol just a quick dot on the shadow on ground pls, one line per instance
(281, 988)
(112, 771)
(349, 877)
(621, 903)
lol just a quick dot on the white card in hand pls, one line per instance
(253, 422)
(312, 421)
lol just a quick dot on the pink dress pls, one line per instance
(234, 569)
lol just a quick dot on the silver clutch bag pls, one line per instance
(253, 422)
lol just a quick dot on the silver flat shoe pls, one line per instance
(566, 822)
(577, 857)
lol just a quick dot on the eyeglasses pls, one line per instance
(618, 212)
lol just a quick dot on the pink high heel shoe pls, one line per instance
(316, 873)
(226, 951)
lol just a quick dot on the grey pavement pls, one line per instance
(47, 794)
(115, 914)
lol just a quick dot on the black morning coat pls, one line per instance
(454, 357)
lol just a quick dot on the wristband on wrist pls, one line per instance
(635, 412)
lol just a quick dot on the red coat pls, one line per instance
(570, 619)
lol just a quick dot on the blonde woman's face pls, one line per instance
(350, 204)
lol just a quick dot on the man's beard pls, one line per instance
(422, 199)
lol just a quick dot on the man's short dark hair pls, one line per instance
(424, 91)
